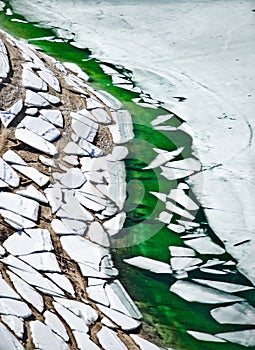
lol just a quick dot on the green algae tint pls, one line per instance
(166, 316)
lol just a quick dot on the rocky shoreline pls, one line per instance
(63, 188)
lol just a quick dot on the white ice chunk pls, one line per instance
(93, 103)
(101, 116)
(196, 293)
(108, 99)
(144, 344)
(125, 322)
(160, 196)
(224, 286)
(55, 324)
(50, 79)
(114, 225)
(40, 127)
(73, 178)
(97, 234)
(179, 196)
(35, 141)
(109, 340)
(33, 193)
(16, 221)
(122, 130)
(31, 276)
(6, 291)
(181, 263)
(84, 342)
(4, 61)
(54, 116)
(27, 292)
(149, 264)
(245, 338)
(88, 255)
(163, 157)
(180, 168)
(47, 161)
(181, 251)
(31, 81)
(205, 337)
(6, 337)
(83, 130)
(18, 204)
(44, 338)
(13, 158)
(60, 228)
(161, 119)
(33, 99)
(50, 98)
(176, 228)
(14, 307)
(16, 324)
(98, 294)
(8, 175)
(42, 261)
(239, 313)
(204, 245)
(30, 241)
(62, 282)
(8, 116)
(39, 178)
(165, 217)
(120, 300)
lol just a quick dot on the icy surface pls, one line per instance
(6, 337)
(203, 58)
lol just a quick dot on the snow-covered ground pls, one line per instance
(201, 50)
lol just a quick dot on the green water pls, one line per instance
(164, 312)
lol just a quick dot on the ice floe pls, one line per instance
(8, 175)
(224, 286)
(205, 245)
(239, 313)
(8, 116)
(33, 193)
(45, 261)
(54, 323)
(89, 256)
(36, 141)
(161, 119)
(32, 81)
(122, 130)
(97, 234)
(40, 127)
(15, 323)
(145, 344)
(14, 307)
(4, 61)
(73, 178)
(62, 282)
(44, 338)
(205, 337)
(120, 300)
(114, 225)
(47, 76)
(54, 116)
(18, 204)
(31, 276)
(15, 220)
(163, 157)
(29, 241)
(6, 337)
(27, 292)
(196, 293)
(149, 264)
(84, 342)
(125, 322)
(109, 340)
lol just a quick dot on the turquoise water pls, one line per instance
(166, 316)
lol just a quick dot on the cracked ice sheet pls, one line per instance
(218, 87)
